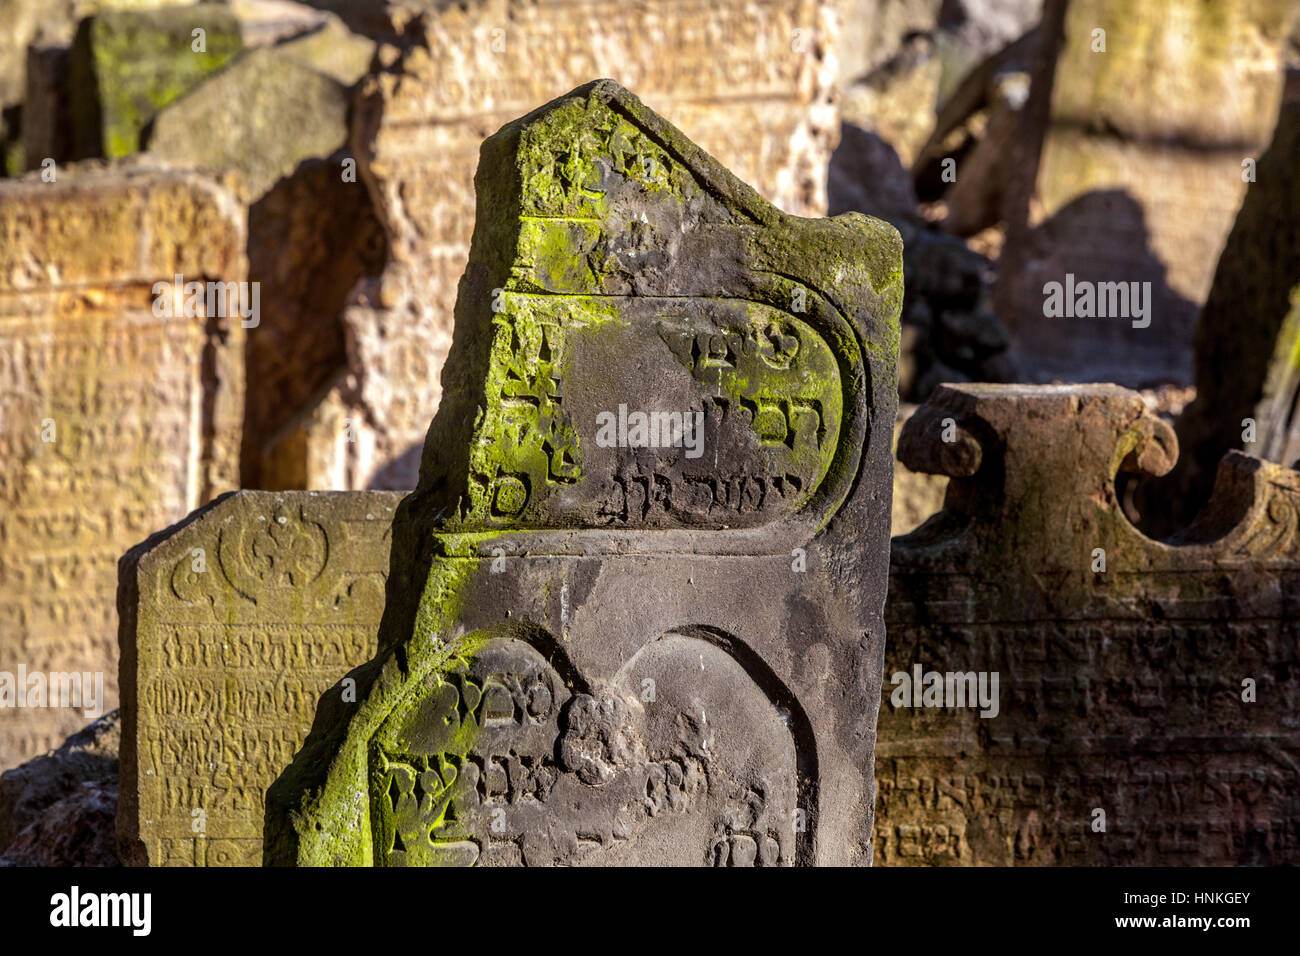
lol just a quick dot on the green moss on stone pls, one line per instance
(137, 62)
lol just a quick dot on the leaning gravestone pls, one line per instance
(635, 607)
(113, 420)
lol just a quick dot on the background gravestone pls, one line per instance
(762, 102)
(1126, 166)
(125, 65)
(233, 623)
(265, 114)
(1248, 339)
(603, 652)
(143, 413)
(1121, 682)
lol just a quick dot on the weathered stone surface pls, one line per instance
(1121, 689)
(1248, 339)
(310, 449)
(44, 30)
(311, 238)
(972, 139)
(332, 49)
(902, 62)
(28, 790)
(608, 654)
(264, 114)
(49, 23)
(971, 31)
(265, 22)
(898, 100)
(222, 667)
(76, 831)
(950, 332)
(874, 31)
(113, 421)
(1128, 168)
(125, 65)
(762, 102)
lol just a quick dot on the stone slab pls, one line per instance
(606, 649)
(1120, 733)
(113, 421)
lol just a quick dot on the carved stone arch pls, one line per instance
(507, 755)
(792, 803)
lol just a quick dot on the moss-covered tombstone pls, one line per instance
(126, 65)
(635, 606)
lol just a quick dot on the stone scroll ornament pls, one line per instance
(635, 608)
(1146, 710)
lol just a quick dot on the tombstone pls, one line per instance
(264, 114)
(113, 421)
(1247, 340)
(233, 623)
(606, 643)
(125, 65)
(1123, 730)
(761, 101)
(1128, 169)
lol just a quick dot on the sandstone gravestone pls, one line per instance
(753, 81)
(233, 623)
(611, 644)
(113, 420)
(1129, 170)
(1119, 731)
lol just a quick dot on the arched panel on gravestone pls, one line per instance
(508, 756)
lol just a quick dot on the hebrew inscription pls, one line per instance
(113, 422)
(501, 761)
(235, 624)
(733, 381)
(595, 647)
(1146, 707)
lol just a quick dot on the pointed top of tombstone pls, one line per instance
(618, 270)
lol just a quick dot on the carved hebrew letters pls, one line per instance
(755, 386)
(660, 386)
(113, 422)
(1122, 689)
(502, 761)
(759, 102)
(241, 619)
